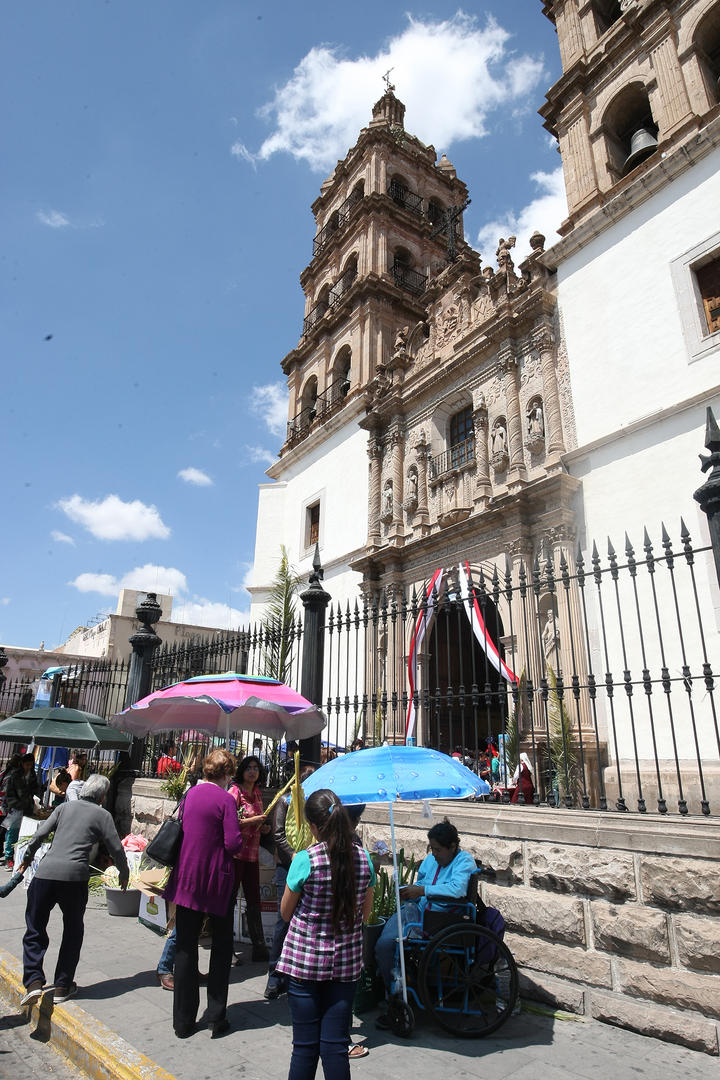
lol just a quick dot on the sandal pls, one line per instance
(357, 1050)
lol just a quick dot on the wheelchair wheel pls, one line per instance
(468, 981)
(401, 1017)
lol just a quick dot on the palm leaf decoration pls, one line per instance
(278, 621)
(561, 748)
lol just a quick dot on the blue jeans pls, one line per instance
(12, 831)
(321, 1016)
(166, 963)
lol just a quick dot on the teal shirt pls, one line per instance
(451, 880)
(299, 871)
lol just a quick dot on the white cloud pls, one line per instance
(258, 455)
(53, 218)
(241, 151)
(61, 537)
(317, 113)
(162, 579)
(546, 211)
(100, 583)
(112, 519)
(195, 476)
(5, 600)
(200, 612)
(270, 403)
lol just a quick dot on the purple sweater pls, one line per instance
(203, 878)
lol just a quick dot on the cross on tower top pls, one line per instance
(447, 226)
(386, 79)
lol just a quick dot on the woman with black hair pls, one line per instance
(329, 892)
(247, 791)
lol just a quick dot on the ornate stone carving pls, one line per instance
(562, 369)
(530, 370)
(447, 325)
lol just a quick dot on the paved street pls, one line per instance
(118, 987)
(24, 1053)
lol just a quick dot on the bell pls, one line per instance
(642, 145)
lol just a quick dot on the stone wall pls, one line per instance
(615, 916)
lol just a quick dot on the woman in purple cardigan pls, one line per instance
(202, 882)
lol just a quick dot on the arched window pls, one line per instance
(341, 371)
(606, 13)
(435, 211)
(307, 401)
(461, 437)
(630, 130)
(398, 189)
(707, 44)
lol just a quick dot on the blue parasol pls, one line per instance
(392, 774)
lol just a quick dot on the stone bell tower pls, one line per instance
(639, 77)
(375, 246)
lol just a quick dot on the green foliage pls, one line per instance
(378, 722)
(561, 748)
(279, 620)
(384, 902)
(518, 721)
(174, 785)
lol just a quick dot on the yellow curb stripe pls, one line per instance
(88, 1043)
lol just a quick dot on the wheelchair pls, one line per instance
(457, 968)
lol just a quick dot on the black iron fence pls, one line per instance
(595, 668)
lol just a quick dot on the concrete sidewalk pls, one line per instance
(121, 1025)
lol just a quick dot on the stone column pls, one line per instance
(374, 450)
(569, 33)
(514, 419)
(483, 487)
(551, 399)
(422, 450)
(675, 106)
(580, 178)
(396, 437)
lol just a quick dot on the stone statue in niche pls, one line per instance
(499, 446)
(550, 634)
(535, 426)
(411, 490)
(536, 423)
(387, 501)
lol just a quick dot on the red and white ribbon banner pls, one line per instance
(478, 625)
(422, 625)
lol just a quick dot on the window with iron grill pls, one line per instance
(461, 435)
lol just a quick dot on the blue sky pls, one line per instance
(159, 164)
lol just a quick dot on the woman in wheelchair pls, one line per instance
(444, 872)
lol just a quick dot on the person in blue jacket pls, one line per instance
(444, 872)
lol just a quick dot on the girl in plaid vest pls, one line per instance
(328, 893)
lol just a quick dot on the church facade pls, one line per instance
(486, 422)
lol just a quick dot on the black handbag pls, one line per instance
(164, 848)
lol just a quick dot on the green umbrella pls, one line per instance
(63, 727)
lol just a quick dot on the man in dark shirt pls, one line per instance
(62, 879)
(20, 788)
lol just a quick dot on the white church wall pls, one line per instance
(333, 473)
(619, 304)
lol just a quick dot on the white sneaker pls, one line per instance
(32, 993)
(62, 993)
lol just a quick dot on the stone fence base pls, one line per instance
(615, 916)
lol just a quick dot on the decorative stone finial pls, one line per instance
(389, 110)
(149, 611)
(537, 242)
(446, 166)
